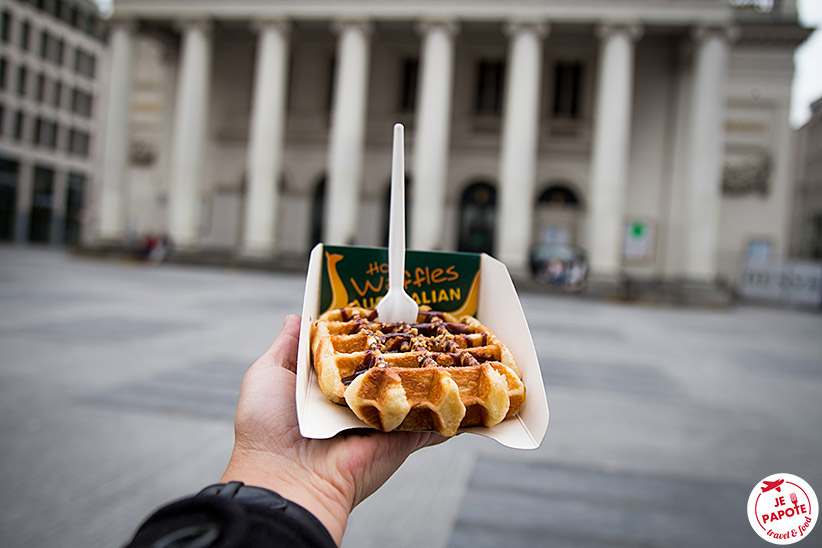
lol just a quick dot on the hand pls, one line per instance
(327, 477)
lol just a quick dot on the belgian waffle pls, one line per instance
(440, 373)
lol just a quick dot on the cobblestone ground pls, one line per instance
(118, 383)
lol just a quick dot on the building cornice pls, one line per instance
(785, 34)
(661, 12)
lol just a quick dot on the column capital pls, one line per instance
(203, 25)
(515, 26)
(450, 26)
(634, 31)
(279, 25)
(728, 34)
(363, 25)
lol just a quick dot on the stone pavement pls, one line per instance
(118, 383)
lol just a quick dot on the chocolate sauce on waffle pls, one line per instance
(442, 343)
(437, 373)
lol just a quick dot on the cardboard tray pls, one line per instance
(499, 309)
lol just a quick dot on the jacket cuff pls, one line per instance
(233, 515)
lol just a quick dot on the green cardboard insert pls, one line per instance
(358, 276)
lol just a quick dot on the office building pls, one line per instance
(50, 57)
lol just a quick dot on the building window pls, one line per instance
(22, 76)
(61, 137)
(19, 125)
(92, 66)
(51, 48)
(25, 31)
(2, 120)
(82, 20)
(79, 143)
(490, 78)
(50, 135)
(52, 132)
(38, 129)
(60, 9)
(52, 8)
(86, 22)
(57, 98)
(57, 54)
(40, 89)
(5, 26)
(45, 133)
(410, 71)
(84, 63)
(81, 102)
(567, 89)
(44, 44)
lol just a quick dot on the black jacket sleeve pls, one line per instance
(232, 515)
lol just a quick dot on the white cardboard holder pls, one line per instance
(499, 309)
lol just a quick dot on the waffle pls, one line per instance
(441, 373)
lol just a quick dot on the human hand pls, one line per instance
(327, 477)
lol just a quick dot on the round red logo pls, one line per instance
(783, 509)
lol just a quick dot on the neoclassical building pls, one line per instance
(652, 133)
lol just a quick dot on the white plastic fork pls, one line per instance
(396, 305)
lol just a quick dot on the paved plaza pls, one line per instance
(118, 382)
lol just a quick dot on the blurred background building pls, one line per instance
(654, 134)
(806, 237)
(50, 55)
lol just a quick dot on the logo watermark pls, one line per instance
(783, 509)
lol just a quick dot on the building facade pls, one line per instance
(653, 133)
(50, 53)
(807, 207)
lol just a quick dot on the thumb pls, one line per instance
(283, 351)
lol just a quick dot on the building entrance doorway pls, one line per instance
(75, 198)
(558, 215)
(9, 172)
(42, 203)
(477, 218)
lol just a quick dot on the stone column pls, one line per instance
(520, 140)
(116, 132)
(265, 142)
(706, 152)
(432, 135)
(609, 162)
(347, 140)
(189, 133)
